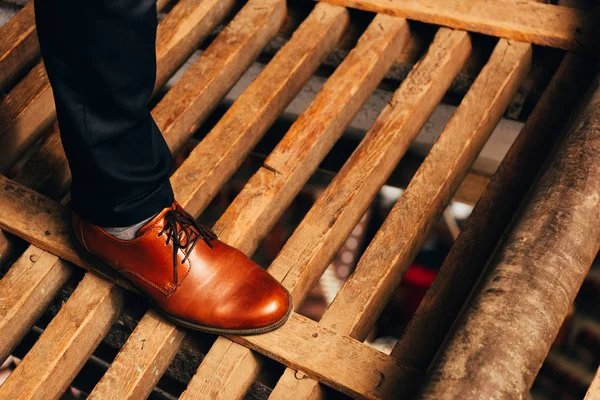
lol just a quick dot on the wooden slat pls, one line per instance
(501, 340)
(199, 90)
(527, 21)
(593, 392)
(25, 112)
(29, 108)
(223, 150)
(371, 59)
(19, 45)
(489, 218)
(46, 223)
(339, 208)
(52, 363)
(362, 298)
(23, 294)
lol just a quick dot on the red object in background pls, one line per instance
(415, 284)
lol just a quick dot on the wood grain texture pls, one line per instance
(25, 112)
(144, 355)
(68, 341)
(395, 245)
(223, 150)
(526, 21)
(44, 222)
(531, 281)
(332, 359)
(272, 188)
(199, 90)
(484, 228)
(24, 294)
(19, 45)
(337, 211)
(313, 134)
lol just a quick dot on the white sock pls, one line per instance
(127, 232)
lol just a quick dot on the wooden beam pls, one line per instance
(46, 223)
(19, 45)
(526, 21)
(24, 294)
(67, 342)
(199, 90)
(532, 280)
(361, 300)
(337, 211)
(223, 150)
(488, 221)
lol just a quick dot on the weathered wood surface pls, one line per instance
(527, 21)
(288, 167)
(29, 108)
(25, 112)
(532, 279)
(593, 392)
(363, 296)
(489, 218)
(199, 90)
(223, 150)
(23, 294)
(338, 210)
(19, 45)
(66, 343)
(45, 223)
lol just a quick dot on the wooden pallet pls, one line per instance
(331, 351)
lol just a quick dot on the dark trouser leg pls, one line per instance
(101, 61)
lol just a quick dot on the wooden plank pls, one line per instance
(46, 223)
(29, 108)
(199, 90)
(23, 294)
(593, 392)
(19, 45)
(338, 210)
(223, 150)
(531, 281)
(313, 134)
(271, 189)
(383, 264)
(527, 21)
(52, 363)
(488, 221)
(26, 111)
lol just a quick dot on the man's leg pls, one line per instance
(101, 61)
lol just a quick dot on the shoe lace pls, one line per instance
(179, 223)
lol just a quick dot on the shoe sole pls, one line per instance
(99, 267)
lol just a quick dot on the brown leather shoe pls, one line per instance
(194, 279)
